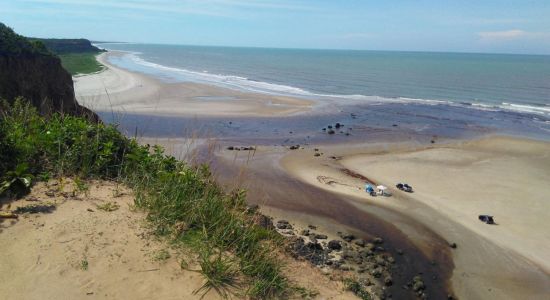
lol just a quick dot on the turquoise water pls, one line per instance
(514, 82)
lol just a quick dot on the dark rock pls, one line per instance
(334, 245)
(331, 131)
(376, 272)
(231, 148)
(380, 261)
(321, 236)
(284, 226)
(329, 126)
(264, 222)
(453, 245)
(313, 227)
(313, 252)
(338, 125)
(50, 194)
(305, 232)
(316, 154)
(316, 149)
(378, 240)
(360, 242)
(388, 281)
(252, 208)
(294, 147)
(348, 237)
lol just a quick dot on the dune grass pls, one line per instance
(80, 63)
(183, 202)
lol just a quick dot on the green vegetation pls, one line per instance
(80, 63)
(12, 43)
(84, 264)
(64, 46)
(183, 202)
(357, 288)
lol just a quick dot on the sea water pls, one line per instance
(517, 84)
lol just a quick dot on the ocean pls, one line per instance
(514, 82)
(428, 93)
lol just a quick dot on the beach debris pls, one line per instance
(294, 147)
(313, 227)
(338, 125)
(331, 131)
(453, 245)
(317, 154)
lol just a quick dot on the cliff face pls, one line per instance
(28, 70)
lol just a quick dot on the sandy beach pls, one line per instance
(453, 184)
(120, 91)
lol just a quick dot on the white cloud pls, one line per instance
(513, 34)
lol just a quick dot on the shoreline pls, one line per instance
(121, 91)
(413, 218)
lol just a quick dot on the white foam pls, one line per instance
(243, 83)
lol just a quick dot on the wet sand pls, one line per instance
(454, 183)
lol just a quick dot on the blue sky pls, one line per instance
(497, 26)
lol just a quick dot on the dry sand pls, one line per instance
(504, 177)
(121, 91)
(77, 251)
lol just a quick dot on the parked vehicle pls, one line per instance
(486, 219)
(404, 187)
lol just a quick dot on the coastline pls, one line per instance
(121, 91)
(474, 276)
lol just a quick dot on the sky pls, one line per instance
(492, 26)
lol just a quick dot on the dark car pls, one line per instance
(486, 219)
(404, 187)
